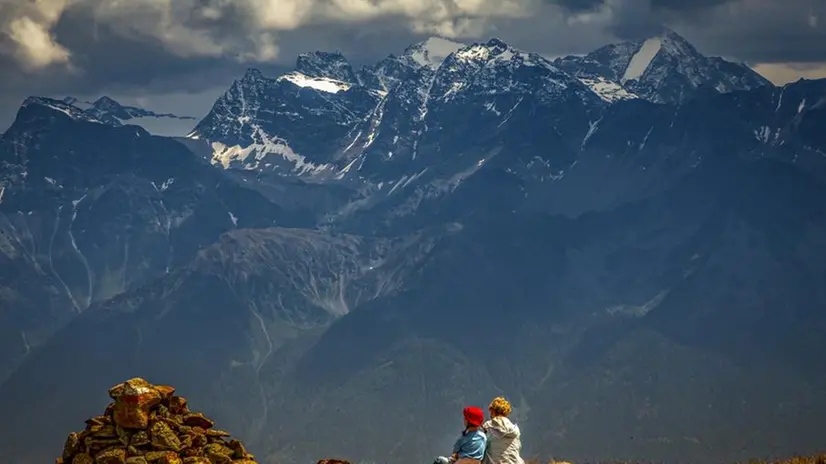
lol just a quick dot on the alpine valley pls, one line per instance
(630, 245)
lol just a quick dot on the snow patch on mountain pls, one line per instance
(322, 84)
(642, 59)
(267, 151)
(608, 90)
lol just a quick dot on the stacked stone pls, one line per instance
(148, 424)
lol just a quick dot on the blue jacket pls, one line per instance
(471, 445)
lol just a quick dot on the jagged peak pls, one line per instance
(496, 42)
(105, 100)
(106, 103)
(252, 78)
(664, 39)
(321, 64)
(670, 36)
(252, 74)
(676, 44)
(491, 47)
(321, 55)
(499, 50)
(645, 50)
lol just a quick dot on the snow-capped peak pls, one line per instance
(664, 68)
(485, 51)
(107, 104)
(675, 43)
(496, 51)
(668, 42)
(431, 52)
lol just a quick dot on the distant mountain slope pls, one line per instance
(89, 211)
(665, 319)
(232, 313)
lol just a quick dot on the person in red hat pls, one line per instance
(470, 447)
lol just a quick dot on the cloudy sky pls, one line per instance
(178, 55)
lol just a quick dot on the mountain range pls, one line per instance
(628, 244)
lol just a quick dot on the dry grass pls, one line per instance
(816, 459)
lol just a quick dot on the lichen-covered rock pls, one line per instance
(163, 437)
(72, 446)
(133, 402)
(148, 424)
(197, 460)
(83, 458)
(111, 456)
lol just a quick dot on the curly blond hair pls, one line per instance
(500, 407)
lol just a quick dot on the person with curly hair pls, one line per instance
(504, 437)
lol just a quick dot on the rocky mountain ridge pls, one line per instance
(401, 97)
(89, 210)
(109, 111)
(429, 120)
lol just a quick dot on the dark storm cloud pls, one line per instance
(578, 6)
(748, 30)
(673, 5)
(782, 31)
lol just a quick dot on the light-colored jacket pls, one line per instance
(504, 442)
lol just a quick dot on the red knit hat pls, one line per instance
(474, 416)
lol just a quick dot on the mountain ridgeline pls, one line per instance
(630, 245)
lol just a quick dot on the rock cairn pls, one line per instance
(148, 424)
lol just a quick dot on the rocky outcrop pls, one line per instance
(149, 424)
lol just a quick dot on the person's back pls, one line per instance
(504, 441)
(470, 446)
(504, 437)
